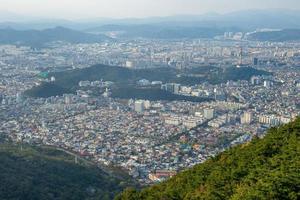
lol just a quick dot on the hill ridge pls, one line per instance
(45, 172)
(38, 38)
(267, 168)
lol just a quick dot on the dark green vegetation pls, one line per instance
(267, 168)
(125, 79)
(48, 89)
(277, 36)
(38, 38)
(38, 173)
(231, 73)
(152, 94)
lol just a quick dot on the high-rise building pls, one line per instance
(208, 113)
(176, 88)
(139, 106)
(267, 84)
(147, 104)
(255, 80)
(220, 95)
(68, 98)
(107, 93)
(247, 118)
(129, 64)
(255, 61)
(19, 98)
(171, 87)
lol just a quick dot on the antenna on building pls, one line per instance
(241, 56)
(22, 139)
(151, 56)
(76, 159)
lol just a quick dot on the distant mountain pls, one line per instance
(41, 24)
(40, 37)
(158, 31)
(47, 173)
(276, 36)
(265, 168)
(248, 20)
(201, 26)
(254, 19)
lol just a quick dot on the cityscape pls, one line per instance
(141, 136)
(150, 100)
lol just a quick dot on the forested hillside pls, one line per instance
(40, 173)
(124, 78)
(38, 38)
(277, 36)
(267, 168)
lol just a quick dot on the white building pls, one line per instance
(139, 106)
(246, 118)
(208, 113)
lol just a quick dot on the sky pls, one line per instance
(84, 9)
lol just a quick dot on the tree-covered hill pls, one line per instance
(37, 38)
(161, 31)
(267, 168)
(47, 90)
(38, 173)
(277, 36)
(153, 94)
(126, 78)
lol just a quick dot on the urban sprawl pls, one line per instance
(152, 140)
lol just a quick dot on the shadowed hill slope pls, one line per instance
(39, 173)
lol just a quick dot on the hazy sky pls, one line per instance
(75, 9)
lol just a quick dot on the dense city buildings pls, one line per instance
(153, 139)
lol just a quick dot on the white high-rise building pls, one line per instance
(19, 98)
(246, 118)
(208, 113)
(68, 99)
(139, 106)
(129, 64)
(267, 84)
(176, 88)
(147, 104)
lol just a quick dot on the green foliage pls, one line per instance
(47, 90)
(277, 36)
(67, 81)
(46, 173)
(235, 74)
(267, 168)
(152, 94)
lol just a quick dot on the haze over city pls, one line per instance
(80, 9)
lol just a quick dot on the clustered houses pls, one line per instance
(152, 140)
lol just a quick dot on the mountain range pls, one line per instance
(34, 31)
(245, 19)
(276, 36)
(38, 38)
